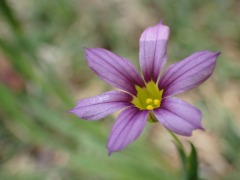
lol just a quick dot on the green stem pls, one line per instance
(176, 139)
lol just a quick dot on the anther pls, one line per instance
(149, 107)
(149, 100)
(156, 102)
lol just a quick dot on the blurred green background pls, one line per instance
(43, 72)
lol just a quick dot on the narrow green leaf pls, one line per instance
(10, 17)
(14, 55)
(192, 165)
(183, 158)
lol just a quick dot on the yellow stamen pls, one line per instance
(148, 97)
(149, 100)
(149, 107)
(156, 102)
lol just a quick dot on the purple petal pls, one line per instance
(114, 69)
(153, 47)
(178, 116)
(97, 107)
(127, 128)
(188, 73)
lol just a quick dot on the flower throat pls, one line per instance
(148, 98)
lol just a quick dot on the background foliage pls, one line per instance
(43, 72)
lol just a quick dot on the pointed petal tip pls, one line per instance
(218, 54)
(191, 133)
(198, 128)
(70, 111)
(202, 128)
(73, 110)
(110, 150)
(160, 22)
(186, 134)
(87, 50)
(109, 153)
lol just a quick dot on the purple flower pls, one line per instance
(148, 98)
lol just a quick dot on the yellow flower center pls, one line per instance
(148, 98)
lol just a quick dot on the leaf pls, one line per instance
(192, 164)
(9, 15)
(183, 158)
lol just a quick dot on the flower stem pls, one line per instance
(176, 139)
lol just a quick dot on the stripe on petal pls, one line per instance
(114, 69)
(127, 128)
(152, 54)
(97, 107)
(188, 73)
(178, 116)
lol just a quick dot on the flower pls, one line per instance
(148, 98)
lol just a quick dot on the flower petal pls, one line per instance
(114, 69)
(153, 47)
(178, 116)
(188, 73)
(127, 128)
(97, 107)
